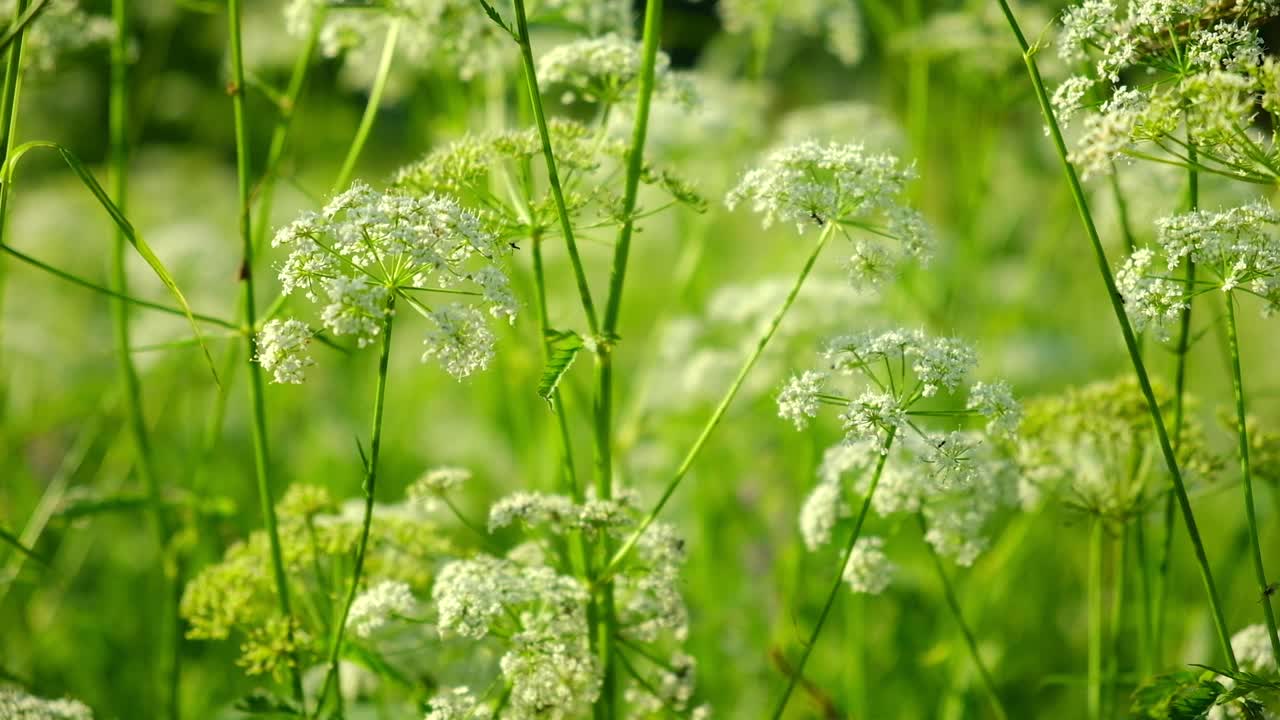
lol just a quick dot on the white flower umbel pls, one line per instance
(457, 704)
(869, 570)
(955, 478)
(18, 705)
(1236, 251)
(62, 28)
(282, 349)
(1164, 74)
(374, 607)
(799, 399)
(367, 249)
(1252, 648)
(606, 70)
(815, 184)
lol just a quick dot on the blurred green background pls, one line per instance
(939, 82)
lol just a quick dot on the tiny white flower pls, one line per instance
(374, 607)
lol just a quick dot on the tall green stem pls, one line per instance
(118, 121)
(1130, 341)
(1094, 685)
(1246, 477)
(370, 108)
(284, 124)
(8, 129)
(1120, 560)
(839, 577)
(370, 485)
(971, 642)
(553, 175)
(718, 414)
(1179, 399)
(261, 452)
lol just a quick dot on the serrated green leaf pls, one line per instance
(125, 227)
(563, 347)
(496, 18)
(1184, 695)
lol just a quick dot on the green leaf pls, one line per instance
(12, 540)
(125, 227)
(563, 348)
(496, 18)
(1184, 695)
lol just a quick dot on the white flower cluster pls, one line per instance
(457, 704)
(839, 20)
(548, 664)
(63, 27)
(810, 183)
(434, 484)
(956, 507)
(540, 611)
(374, 607)
(558, 513)
(868, 570)
(607, 70)
(282, 349)
(364, 250)
(453, 34)
(19, 705)
(956, 478)
(1236, 247)
(1203, 71)
(1252, 648)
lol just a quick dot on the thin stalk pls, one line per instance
(118, 120)
(953, 602)
(284, 124)
(8, 130)
(261, 453)
(370, 108)
(1094, 684)
(839, 577)
(569, 474)
(603, 405)
(1120, 562)
(718, 414)
(1130, 341)
(370, 485)
(1146, 628)
(1246, 477)
(1179, 399)
(553, 176)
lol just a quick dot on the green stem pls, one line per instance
(839, 577)
(284, 124)
(370, 486)
(370, 108)
(1179, 404)
(603, 405)
(1094, 685)
(718, 414)
(261, 453)
(1246, 477)
(553, 175)
(1130, 341)
(1120, 562)
(1146, 620)
(8, 130)
(953, 602)
(118, 121)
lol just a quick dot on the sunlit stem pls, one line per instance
(370, 108)
(1130, 340)
(369, 488)
(971, 642)
(839, 577)
(1246, 477)
(261, 452)
(723, 406)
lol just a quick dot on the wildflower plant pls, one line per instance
(887, 386)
